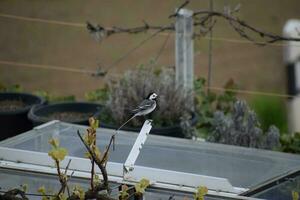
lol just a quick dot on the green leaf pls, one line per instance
(123, 194)
(58, 153)
(79, 192)
(97, 180)
(54, 142)
(295, 195)
(24, 187)
(42, 190)
(94, 123)
(200, 193)
(141, 186)
(62, 197)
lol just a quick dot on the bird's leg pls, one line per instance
(149, 121)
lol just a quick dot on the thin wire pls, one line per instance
(247, 42)
(42, 20)
(162, 48)
(82, 25)
(151, 65)
(251, 92)
(132, 50)
(49, 67)
(60, 68)
(211, 7)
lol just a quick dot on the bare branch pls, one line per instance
(241, 27)
(101, 32)
(97, 161)
(202, 19)
(179, 8)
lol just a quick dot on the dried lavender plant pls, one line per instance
(127, 92)
(242, 128)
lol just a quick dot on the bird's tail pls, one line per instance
(126, 122)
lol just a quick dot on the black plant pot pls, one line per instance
(13, 120)
(172, 131)
(72, 112)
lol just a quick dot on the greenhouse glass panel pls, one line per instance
(278, 188)
(37, 140)
(172, 161)
(243, 167)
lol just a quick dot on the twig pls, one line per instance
(68, 165)
(239, 26)
(92, 174)
(97, 161)
(202, 19)
(104, 32)
(12, 194)
(179, 8)
(61, 178)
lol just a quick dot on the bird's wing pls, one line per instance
(146, 104)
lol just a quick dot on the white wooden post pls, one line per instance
(136, 148)
(292, 63)
(184, 51)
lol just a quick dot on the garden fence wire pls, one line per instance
(126, 54)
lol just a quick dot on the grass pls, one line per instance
(270, 111)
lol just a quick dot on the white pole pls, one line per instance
(184, 50)
(292, 63)
(138, 145)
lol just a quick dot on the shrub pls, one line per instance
(126, 93)
(290, 143)
(55, 98)
(99, 95)
(208, 102)
(241, 127)
(10, 88)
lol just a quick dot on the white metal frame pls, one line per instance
(86, 175)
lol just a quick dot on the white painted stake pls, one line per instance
(135, 151)
(184, 51)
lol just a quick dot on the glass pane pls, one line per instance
(37, 140)
(278, 189)
(243, 167)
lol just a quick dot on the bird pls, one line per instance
(147, 106)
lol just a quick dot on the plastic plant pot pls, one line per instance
(14, 108)
(72, 112)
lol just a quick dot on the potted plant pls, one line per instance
(14, 107)
(72, 112)
(173, 116)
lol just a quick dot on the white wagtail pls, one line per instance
(144, 108)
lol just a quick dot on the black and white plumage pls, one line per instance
(145, 107)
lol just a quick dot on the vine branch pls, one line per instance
(206, 20)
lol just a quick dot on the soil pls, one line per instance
(11, 105)
(69, 116)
